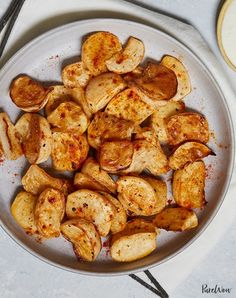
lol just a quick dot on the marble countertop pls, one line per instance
(22, 275)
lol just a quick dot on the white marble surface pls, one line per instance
(22, 275)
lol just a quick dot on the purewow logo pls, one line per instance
(215, 290)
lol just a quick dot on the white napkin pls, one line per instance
(36, 18)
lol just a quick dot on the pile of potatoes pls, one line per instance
(110, 123)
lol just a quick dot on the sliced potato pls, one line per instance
(147, 134)
(92, 206)
(129, 106)
(22, 210)
(157, 119)
(37, 180)
(136, 241)
(184, 84)
(9, 138)
(129, 58)
(98, 48)
(157, 82)
(28, 94)
(188, 185)
(84, 237)
(102, 88)
(92, 168)
(49, 212)
(85, 181)
(120, 218)
(69, 116)
(105, 127)
(69, 151)
(74, 75)
(176, 219)
(116, 155)
(187, 127)
(149, 157)
(187, 153)
(136, 195)
(160, 189)
(36, 137)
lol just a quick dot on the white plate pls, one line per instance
(43, 59)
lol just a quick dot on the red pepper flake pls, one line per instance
(106, 243)
(209, 172)
(51, 200)
(169, 202)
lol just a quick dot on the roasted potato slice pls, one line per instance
(36, 137)
(129, 58)
(49, 212)
(184, 84)
(120, 218)
(160, 189)
(92, 206)
(22, 209)
(69, 117)
(9, 138)
(188, 185)
(157, 119)
(147, 134)
(37, 180)
(156, 81)
(85, 181)
(102, 88)
(97, 49)
(128, 105)
(149, 157)
(115, 155)
(69, 150)
(28, 94)
(187, 153)
(137, 195)
(92, 168)
(105, 127)
(84, 237)
(176, 219)
(74, 75)
(187, 127)
(136, 241)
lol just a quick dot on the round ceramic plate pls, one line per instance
(43, 59)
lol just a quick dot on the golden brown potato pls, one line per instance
(84, 237)
(49, 212)
(136, 241)
(85, 181)
(137, 195)
(92, 206)
(69, 151)
(187, 153)
(157, 82)
(105, 127)
(28, 94)
(37, 180)
(160, 189)
(69, 117)
(9, 139)
(22, 209)
(129, 58)
(74, 75)
(147, 134)
(128, 105)
(176, 219)
(36, 137)
(92, 168)
(115, 155)
(102, 88)
(188, 185)
(187, 127)
(119, 220)
(184, 84)
(98, 48)
(157, 119)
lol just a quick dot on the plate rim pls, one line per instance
(56, 30)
